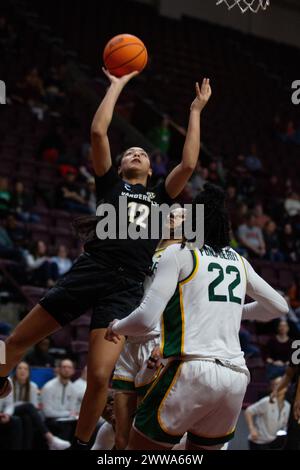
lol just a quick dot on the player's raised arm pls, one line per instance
(269, 303)
(180, 175)
(102, 119)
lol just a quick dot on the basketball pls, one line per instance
(124, 54)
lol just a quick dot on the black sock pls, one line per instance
(79, 444)
(2, 381)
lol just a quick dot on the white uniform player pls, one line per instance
(131, 373)
(199, 296)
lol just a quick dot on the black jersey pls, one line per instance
(135, 255)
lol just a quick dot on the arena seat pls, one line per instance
(41, 375)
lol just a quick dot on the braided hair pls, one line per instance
(216, 218)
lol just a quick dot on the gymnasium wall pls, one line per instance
(279, 23)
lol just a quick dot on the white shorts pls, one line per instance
(131, 373)
(201, 398)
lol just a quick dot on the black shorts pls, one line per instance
(107, 290)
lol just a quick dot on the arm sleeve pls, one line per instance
(269, 304)
(106, 182)
(255, 311)
(145, 317)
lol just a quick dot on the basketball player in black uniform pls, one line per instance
(108, 276)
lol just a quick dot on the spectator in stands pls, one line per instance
(54, 86)
(70, 197)
(160, 136)
(40, 356)
(26, 404)
(292, 204)
(238, 213)
(90, 195)
(247, 346)
(17, 232)
(86, 167)
(260, 217)
(240, 169)
(80, 387)
(290, 379)
(231, 195)
(272, 242)
(22, 204)
(266, 418)
(31, 92)
(278, 351)
(61, 260)
(290, 132)
(252, 161)
(59, 400)
(53, 141)
(251, 237)
(288, 243)
(32, 86)
(11, 429)
(235, 245)
(198, 179)
(213, 173)
(8, 250)
(105, 438)
(5, 196)
(159, 165)
(41, 271)
(275, 188)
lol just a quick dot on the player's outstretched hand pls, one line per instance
(202, 95)
(110, 335)
(119, 80)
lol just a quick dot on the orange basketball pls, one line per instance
(123, 54)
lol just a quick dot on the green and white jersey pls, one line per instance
(203, 316)
(199, 296)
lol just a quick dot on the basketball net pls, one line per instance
(246, 5)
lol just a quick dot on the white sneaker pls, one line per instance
(58, 444)
(6, 389)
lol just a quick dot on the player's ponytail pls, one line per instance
(216, 219)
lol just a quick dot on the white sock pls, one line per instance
(181, 444)
(105, 439)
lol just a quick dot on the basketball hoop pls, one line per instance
(246, 5)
